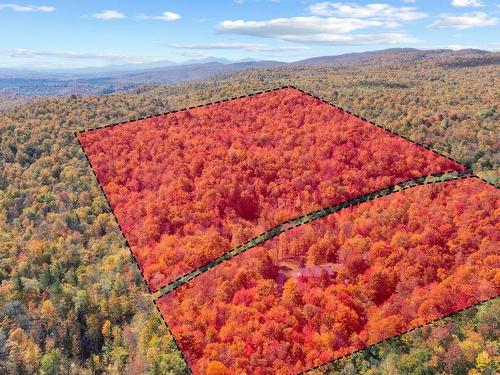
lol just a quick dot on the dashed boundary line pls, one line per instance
(485, 181)
(381, 127)
(115, 217)
(182, 109)
(173, 338)
(151, 290)
(290, 224)
(440, 178)
(400, 334)
(310, 217)
(267, 91)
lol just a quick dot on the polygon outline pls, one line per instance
(465, 173)
(226, 100)
(399, 334)
(262, 92)
(308, 218)
(355, 202)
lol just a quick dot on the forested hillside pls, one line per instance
(232, 170)
(343, 282)
(71, 298)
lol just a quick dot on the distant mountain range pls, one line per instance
(395, 55)
(103, 80)
(110, 70)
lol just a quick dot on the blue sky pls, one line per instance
(55, 34)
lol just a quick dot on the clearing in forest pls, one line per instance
(188, 186)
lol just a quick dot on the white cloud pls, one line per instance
(165, 16)
(244, 1)
(28, 53)
(316, 30)
(283, 27)
(353, 39)
(467, 3)
(333, 23)
(458, 47)
(27, 8)
(372, 11)
(252, 47)
(109, 14)
(194, 54)
(464, 21)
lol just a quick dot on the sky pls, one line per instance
(75, 34)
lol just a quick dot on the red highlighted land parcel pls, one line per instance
(186, 187)
(343, 282)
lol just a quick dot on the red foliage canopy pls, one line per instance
(384, 267)
(188, 186)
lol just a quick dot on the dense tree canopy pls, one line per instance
(387, 266)
(190, 185)
(59, 242)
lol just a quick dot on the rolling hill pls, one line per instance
(71, 297)
(106, 80)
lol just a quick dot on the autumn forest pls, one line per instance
(343, 282)
(187, 187)
(190, 185)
